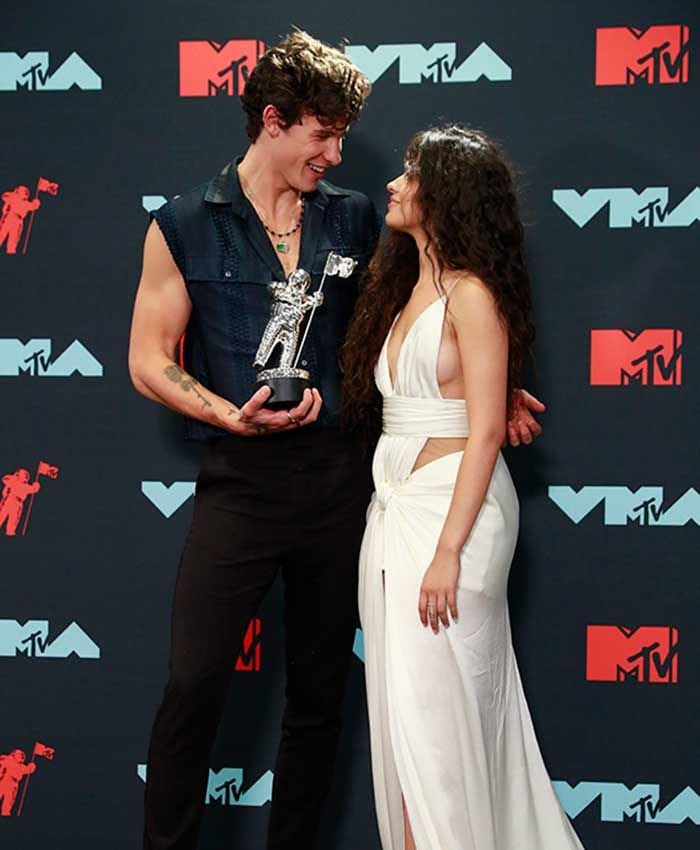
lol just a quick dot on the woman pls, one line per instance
(443, 326)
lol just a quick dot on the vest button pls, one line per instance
(227, 273)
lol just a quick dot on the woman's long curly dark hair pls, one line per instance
(466, 195)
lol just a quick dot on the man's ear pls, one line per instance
(272, 121)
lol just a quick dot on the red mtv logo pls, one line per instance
(644, 654)
(629, 55)
(209, 68)
(649, 357)
(249, 659)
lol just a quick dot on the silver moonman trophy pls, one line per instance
(290, 303)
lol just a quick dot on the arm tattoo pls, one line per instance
(187, 382)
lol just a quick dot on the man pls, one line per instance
(278, 490)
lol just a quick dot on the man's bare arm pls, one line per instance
(161, 312)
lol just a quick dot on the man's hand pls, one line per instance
(253, 419)
(522, 427)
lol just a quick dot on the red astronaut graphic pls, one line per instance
(16, 206)
(13, 770)
(16, 487)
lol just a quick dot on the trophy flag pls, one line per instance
(336, 264)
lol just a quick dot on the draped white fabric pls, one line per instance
(403, 416)
(450, 728)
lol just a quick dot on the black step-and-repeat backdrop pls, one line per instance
(109, 109)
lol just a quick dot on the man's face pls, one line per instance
(304, 151)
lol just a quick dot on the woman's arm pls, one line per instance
(482, 341)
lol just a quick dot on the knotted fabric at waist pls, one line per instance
(404, 416)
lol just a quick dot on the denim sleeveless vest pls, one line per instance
(227, 261)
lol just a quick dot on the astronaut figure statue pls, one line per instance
(290, 302)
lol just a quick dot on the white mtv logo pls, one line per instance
(32, 640)
(648, 208)
(168, 498)
(31, 72)
(225, 787)
(437, 63)
(34, 358)
(644, 506)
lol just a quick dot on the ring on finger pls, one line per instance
(291, 418)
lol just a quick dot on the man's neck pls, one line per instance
(265, 187)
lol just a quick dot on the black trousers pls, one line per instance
(293, 502)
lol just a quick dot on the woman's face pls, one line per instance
(403, 212)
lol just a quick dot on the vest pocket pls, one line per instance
(234, 308)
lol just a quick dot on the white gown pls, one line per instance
(450, 727)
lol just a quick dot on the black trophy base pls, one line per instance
(287, 390)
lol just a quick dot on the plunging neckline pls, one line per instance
(392, 383)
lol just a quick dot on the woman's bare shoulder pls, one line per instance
(471, 297)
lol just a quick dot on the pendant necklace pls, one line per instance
(281, 245)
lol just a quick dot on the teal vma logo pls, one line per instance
(32, 640)
(37, 358)
(31, 72)
(644, 506)
(639, 804)
(628, 208)
(226, 787)
(151, 203)
(168, 498)
(358, 646)
(436, 64)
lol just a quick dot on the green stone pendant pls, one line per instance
(282, 247)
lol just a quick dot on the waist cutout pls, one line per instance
(403, 416)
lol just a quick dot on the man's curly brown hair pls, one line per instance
(303, 76)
